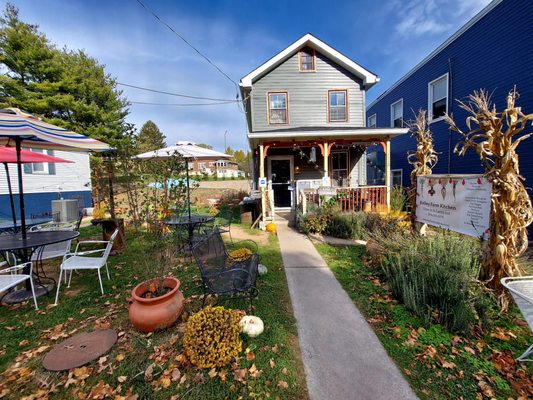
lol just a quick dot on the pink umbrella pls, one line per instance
(8, 155)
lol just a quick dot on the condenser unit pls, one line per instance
(65, 210)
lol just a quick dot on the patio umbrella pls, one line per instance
(27, 130)
(188, 150)
(8, 155)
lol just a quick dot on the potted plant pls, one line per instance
(157, 302)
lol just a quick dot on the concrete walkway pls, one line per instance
(342, 356)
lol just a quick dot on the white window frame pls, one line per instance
(400, 101)
(346, 112)
(375, 116)
(392, 173)
(431, 101)
(46, 167)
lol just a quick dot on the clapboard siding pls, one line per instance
(307, 94)
(494, 54)
(69, 177)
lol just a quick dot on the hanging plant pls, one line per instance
(495, 136)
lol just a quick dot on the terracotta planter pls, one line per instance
(149, 315)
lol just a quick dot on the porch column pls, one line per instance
(326, 158)
(387, 171)
(262, 175)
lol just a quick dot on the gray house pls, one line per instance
(305, 111)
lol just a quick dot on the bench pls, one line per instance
(220, 274)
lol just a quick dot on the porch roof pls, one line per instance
(357, 134)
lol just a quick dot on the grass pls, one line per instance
(437, 364)
(82, 308)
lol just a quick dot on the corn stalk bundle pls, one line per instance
(424, 158)
(495, 137)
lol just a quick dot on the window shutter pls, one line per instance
(27, 168)
(51, 166)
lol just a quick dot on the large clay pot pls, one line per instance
(157, 313)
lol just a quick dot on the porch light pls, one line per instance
(312, 154)
(297, 169)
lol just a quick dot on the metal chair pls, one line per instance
(9, 278)
(521, 288)
(223, 222)
(220, 274)
(83, 260)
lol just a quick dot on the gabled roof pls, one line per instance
(368, 78)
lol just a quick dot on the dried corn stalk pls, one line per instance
(495, 137)
(424, 158)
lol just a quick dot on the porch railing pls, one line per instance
(351, 199)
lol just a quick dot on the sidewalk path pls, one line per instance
(342, 356)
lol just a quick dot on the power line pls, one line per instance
(182, 104)
(189, 44)
(176, 94)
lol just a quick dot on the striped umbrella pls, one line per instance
(24, 129)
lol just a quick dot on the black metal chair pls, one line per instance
(223, 222)
(220, 274)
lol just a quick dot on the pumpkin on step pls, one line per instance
(252, 326)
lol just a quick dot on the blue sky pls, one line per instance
(386, 36)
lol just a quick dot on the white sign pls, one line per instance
(262, 182)
(460, 203)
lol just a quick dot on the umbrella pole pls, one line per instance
(21, 190)
(188, 191)
(11, 200)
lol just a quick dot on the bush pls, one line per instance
(211, 337)
(436, 278)
(346, 226)
(398, 198)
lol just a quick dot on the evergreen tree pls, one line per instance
(68, 88)
(205, 146)
(150, 138)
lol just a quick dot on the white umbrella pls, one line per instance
(188, 150)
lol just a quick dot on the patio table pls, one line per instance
(7, 225)
(24, 248)
(191, 223)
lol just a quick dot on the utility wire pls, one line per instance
(183, 104)
(176, 94)
(189, 44)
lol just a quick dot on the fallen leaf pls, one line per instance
(148, 373)
(27, 324)
(9, 328)
(198, 379)
(122, 378)
(272, 363)
(275, 348)
(284, 371)
(212, 373)
(222, 375)
(120, 357)
(448, 365)
(250, 356)
(24, 342)
(486, 389)
(283, 385)
(176, 374)
(240, 374)
(165, 382)
(254, 372)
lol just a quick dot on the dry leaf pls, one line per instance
(254, 372)
(275, 348)
(250, 356)
(212, 373)
(24, 342)
(448, 365)
(240, 374)
(176, 374)
(165, 382)
(122, 378)
(272, 363)
(148, 373)
(120, 357)
(283, 385)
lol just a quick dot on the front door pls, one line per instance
(280, 173)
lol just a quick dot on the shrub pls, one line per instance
(378, 227)
(211, 337)
(346, 226)
(397, 198)
(436, 278)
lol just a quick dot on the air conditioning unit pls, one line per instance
(65, 210)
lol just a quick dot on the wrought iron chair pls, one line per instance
(223, 222)
(521, 288)
(220, 274)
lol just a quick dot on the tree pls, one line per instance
(150, 138)
(205, 146)
(229, 151)
(68, 88)
(243, 160)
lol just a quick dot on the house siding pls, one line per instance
(307, 94)
(493, 54)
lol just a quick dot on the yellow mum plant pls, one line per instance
(241, 254)
(211, 337)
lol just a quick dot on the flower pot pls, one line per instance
(157, 313)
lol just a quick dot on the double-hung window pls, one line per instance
(438, 97)
(372, 121)
(337, 106)
(307, 60)
(277, 108)
(396, 114)
(40, 168)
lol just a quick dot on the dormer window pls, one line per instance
(307, 60)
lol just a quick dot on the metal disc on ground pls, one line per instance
(79, 350)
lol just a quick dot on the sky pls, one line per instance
(388, 37)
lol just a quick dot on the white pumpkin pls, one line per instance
(262, 269)
(252, 326)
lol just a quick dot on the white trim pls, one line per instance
(375, 115)
(369, 79)
(391, 111)
(372, 132)
(430, 97)
(269, 175)
(435, 52)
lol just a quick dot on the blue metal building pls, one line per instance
(493, 51)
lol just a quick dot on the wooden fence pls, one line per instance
(354, 199)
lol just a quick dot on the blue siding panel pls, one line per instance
(494, 54)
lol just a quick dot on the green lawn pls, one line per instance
(437, 364)
(24, 332)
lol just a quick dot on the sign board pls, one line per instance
(262, 182)
(460, 203)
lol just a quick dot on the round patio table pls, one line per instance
(7, 226)
(24, 249)
(192, 223)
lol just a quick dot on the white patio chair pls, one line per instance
(9, 278)
(83, 260)
(521, 287)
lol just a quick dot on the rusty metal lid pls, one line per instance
(79, 350)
